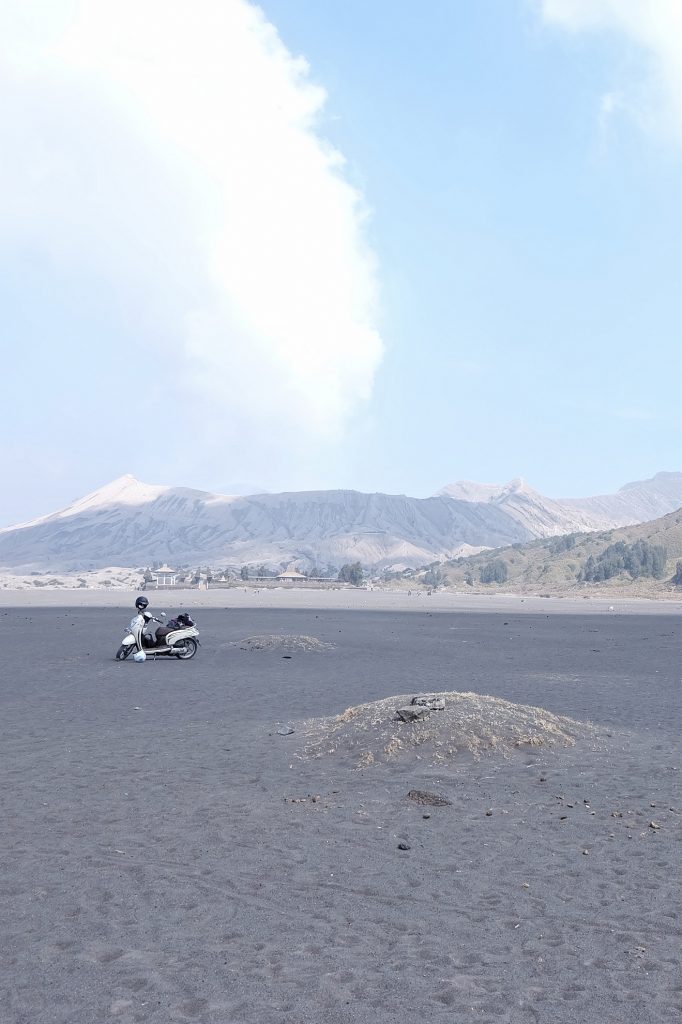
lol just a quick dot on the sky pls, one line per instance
(311, 245)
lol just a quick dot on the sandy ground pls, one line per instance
(337, 600)
(168, 856)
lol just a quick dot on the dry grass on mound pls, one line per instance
(269, 642)
(370, 733)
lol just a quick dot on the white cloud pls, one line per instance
(653, 25)
(177, 148)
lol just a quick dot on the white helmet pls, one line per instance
(139, 656)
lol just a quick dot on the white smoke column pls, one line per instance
(287, 298)
(656, 27)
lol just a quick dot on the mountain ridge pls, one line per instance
(128, 522)
(634, 502)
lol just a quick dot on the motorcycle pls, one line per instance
(179, 643)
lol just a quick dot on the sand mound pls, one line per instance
(111, 578)
(470, 722)
(269, 642)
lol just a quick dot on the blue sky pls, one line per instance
(446, 247)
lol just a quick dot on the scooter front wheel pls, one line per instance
(123, 652)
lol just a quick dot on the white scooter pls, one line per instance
(179, 643)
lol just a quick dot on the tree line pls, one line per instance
(351, 572)
(639, 560)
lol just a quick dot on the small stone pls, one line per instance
(562, 817)
(429, 700)
(488, 813)
(543, 779)
(654, 824)
(403, 846)
(426, 816)
(526, 885)
(423, 796)
(586, 853)
(285, 730)
(412, 713)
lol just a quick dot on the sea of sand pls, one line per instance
(359, 599)
(178, 843)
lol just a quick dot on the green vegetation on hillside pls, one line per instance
(434, 577)
(640, 559)
(496, 571)
(351, 573)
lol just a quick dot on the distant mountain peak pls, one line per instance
(664, 479)
(470, 490)
(124, 490)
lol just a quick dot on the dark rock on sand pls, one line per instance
(429, 700)
(422, 796)
(413, 713)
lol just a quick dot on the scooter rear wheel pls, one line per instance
(123, 652)
(190, 649)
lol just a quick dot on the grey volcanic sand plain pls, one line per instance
(163, 858)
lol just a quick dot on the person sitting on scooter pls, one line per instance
(181, 621)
